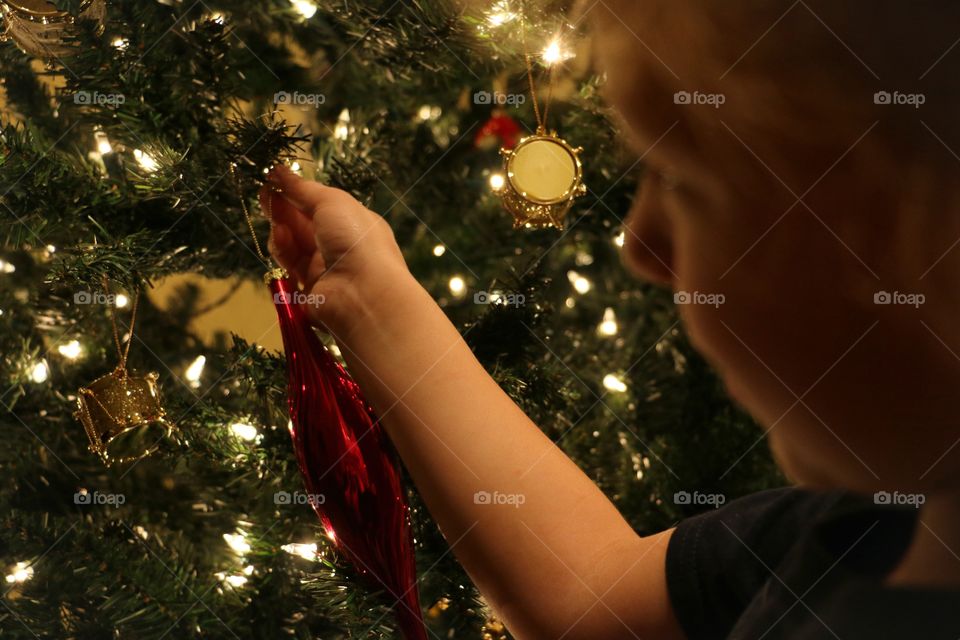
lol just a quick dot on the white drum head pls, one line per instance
(543, 170)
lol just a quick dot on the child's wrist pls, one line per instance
(369, 306)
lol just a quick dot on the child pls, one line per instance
(815, 187)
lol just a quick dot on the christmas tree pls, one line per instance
(131, 141)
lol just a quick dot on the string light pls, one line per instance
(500, 14)
(457, 286)
(195, 370)
(121, 300)
(439, 250)
(71, 350)
(103, 143)
(21, 573)
(342, 130)
(609, 325)
(40, 372)
(295, 166)
(238, 541)
(580, 284)
(6, 267)
(614, 383)
(236, 580)
(245, 431)
(119, 43)
(307, 551)
(145, 161)
(554, 53)
(305, 8)
(497, 181)
(619, 240)
(428, 112)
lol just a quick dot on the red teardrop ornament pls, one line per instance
(344, 456)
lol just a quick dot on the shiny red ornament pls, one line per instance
(344, 456)
(499, 131)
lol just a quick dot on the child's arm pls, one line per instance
(562, 563)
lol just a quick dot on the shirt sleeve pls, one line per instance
(718, 561)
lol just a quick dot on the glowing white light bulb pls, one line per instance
(40, 372)
(237, 541)
(121, 300)
(554, 53)
(614, 383)
(439, 250)
(103, 143)
(195, 370)
(619, 240)
(580, 284)
(145, 161)
(71, 350)
(500, 14)
(119, 43)
(342, 130)
(21, 573)
(305, 8)
(457, 286)
(235, 581)
(295, 166)
(497, 181)
(6, 267)
(305, 551)
(244, 431)
(609, 325)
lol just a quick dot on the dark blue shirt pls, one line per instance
(789, 563)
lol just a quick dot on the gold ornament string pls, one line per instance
(273, 272)
(246, 213)
(541, 118)
(122, 352)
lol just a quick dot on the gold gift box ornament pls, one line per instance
(120, 404)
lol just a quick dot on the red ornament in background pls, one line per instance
(500, 131)
(344, 456)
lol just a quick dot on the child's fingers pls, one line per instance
(314, 200)
(305, 195)
(281, 211)
(282, 247)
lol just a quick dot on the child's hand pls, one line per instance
(336, 248)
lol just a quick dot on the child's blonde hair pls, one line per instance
(802, 73)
